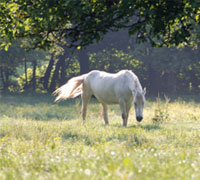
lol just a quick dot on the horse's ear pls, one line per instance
(144, 91)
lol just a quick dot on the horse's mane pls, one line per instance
(133, 78)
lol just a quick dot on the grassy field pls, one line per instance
(43, 140)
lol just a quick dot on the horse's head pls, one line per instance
(139, 100)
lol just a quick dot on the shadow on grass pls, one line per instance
(34, 99)
(148, 127)
(124, 137)
(133, 140)
(26, 98)
(39, 107)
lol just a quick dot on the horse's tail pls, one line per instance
(71, 89)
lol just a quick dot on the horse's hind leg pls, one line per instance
(105, 113)
(124, 112)
(86, 95)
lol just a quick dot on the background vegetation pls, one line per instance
(162, 70)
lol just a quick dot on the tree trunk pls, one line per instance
(55, 77)
(5, 78)
(25, 72)
(48, 71)
(2, 78)
(34, 75)
(63, 67)
(83, 61)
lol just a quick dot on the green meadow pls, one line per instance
(40, 139)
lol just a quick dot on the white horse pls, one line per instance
(121, 88)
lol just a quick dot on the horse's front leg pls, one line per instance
(105, 113)
(124, 112)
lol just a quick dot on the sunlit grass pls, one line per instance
(43, 140)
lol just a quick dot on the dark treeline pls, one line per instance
(161, 70)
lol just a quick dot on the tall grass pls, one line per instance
(43, 140)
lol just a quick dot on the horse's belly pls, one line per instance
(112, 97)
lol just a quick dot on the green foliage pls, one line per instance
(39, 73)
(114, 61)
(63, 148)
(81, 22)
(73, 67)
(12, 65)
(161, 70)
(164, 70)
(73, 70)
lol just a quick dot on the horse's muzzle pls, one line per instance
(139, 118)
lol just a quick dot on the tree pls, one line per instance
(46, 78)
(78, 23)
(83, 61)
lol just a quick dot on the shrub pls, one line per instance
(161, 113)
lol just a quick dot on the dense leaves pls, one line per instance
(78, 23)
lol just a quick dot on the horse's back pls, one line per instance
(99, 78)
(103, 74)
